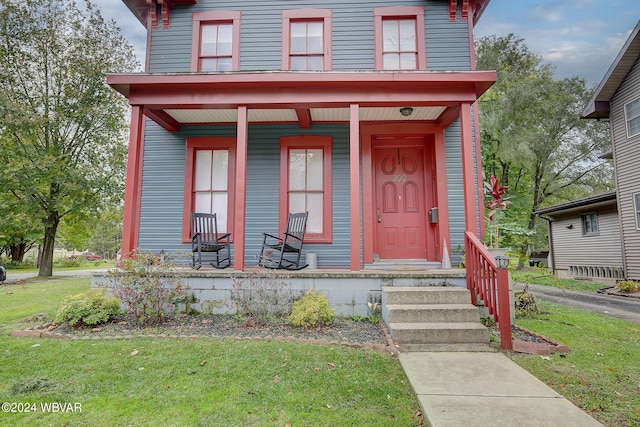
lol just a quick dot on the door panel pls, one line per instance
(400, 203)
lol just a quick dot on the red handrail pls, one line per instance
(491, 283)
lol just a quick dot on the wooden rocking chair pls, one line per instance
(206, 243)
(285, 252)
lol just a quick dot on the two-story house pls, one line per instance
(361, 113)
(599, 236)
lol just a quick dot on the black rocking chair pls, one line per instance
(284, 253)
(206, 243)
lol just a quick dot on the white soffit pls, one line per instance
(317, 115)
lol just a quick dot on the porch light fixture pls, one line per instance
(406, 111)
(502, 261)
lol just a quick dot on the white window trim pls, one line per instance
(636, 208)
(627, 119)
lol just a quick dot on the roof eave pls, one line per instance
(601, 199)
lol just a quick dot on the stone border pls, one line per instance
(45, 332)
(537, 348)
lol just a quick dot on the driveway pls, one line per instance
(13, 276)
(627, 308)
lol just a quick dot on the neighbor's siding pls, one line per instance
(447, 42)
(571, 247)
(627, 160)
(163, 187)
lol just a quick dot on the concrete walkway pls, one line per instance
(485, 389)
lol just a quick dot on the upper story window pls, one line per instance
(399, 38)
(590, 224)
(215, 44)
(306, 40)
(632, 117)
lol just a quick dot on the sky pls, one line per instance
(578, 37)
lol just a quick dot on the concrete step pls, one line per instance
(403, 265)
(431, 313)
(468, 347)
(439, 333)
(425, 295)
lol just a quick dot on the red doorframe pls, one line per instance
(433, 133)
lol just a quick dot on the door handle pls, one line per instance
(379, 218)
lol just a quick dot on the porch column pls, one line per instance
(354, 183)
(468, 178)
(242, 140)
(133, 186)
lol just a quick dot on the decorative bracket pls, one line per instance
(464, 10)
(164, 7)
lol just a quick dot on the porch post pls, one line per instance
(354, 183)
(133, 186)
(470, 206)
(242, 138)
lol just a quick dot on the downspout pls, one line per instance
(551, 251)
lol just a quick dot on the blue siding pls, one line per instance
(447, 43)
(163, 187)
(455, 186)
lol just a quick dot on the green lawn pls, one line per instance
(154, 381)
(544, 276)
(601, 374)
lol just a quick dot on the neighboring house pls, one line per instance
(584, 238)
(617, 99)
(361, 113)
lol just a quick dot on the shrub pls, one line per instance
(149, 286)
(88, 309)
(263, 295)
(312, 310)
(628, 286)
(526, 303)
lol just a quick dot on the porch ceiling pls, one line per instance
(318, 115)
(175, 100)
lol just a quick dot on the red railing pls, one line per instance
(491, 283)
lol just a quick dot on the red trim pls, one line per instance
(476, 129)
(307, 141)
(470, 206)
(304, 118)
(208, 143)
(163, 119)
(417, 12)
(442, 197)
(242, 139)
(200, 18)
(354, 183)
(306, 15)
(133, 190)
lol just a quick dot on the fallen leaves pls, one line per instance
(134, 352)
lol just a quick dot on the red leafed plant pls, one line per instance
(496, 203)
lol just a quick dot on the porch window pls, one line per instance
(590, 224)
(636, 209)
(306, 40)
(215, 45)
(305, 183)
(632, 117)
(399, 34)
(209, 181)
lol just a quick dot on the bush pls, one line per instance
(312, 310)
(628, 286)
(263, 295)
(149, 286)
(88, 309)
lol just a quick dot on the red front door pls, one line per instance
(400, 202)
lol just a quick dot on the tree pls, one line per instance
(533, 136)
(62, 127)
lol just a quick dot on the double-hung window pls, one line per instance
(209, 181)
(306, 40)
(399, 38)
(305, 183)
(215, 45)
(632, 117)
(590, 224)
